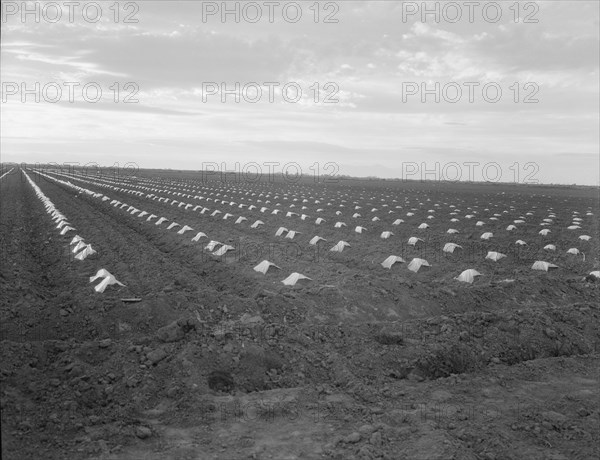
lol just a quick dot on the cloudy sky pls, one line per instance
(361, 68)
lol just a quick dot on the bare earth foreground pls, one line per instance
(219, 362)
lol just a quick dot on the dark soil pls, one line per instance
(218, 361)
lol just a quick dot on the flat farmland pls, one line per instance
(195, 354)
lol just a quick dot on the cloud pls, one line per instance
(120, 108)
(368, 54)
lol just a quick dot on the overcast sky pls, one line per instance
(370, 57)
